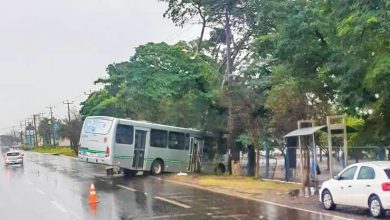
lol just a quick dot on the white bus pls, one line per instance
(139, 145)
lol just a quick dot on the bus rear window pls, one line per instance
(97, 125)
(387, 171)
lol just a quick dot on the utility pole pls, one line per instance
(52, 124)
(21, 132)
(35, 128)
(13, 128)
(68, 103)
(227, 79)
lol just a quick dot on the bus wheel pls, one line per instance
(220, 168)
(157, 167)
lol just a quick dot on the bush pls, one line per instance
(67, 151)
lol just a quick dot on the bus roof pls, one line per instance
(147, 123)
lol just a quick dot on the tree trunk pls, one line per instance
(251, 161)
(257, 163)
(267, 163)
(308, 167)
(201, 34)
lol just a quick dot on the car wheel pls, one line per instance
(375, 207)
(157, 167)
(327, 200)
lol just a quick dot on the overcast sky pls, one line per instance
(53, 50)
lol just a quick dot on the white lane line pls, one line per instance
(167, 216)
(239, 216)
(257, 200)
(62, 209)
(40, 191)
(29, 182)
(173, 202)
(128, 188)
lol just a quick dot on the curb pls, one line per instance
(252, 199)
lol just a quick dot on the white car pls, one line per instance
(13, 157)
(361, 185)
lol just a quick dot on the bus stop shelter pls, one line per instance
(335, 125)
(309, 133)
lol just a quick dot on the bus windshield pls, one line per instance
(97, 125)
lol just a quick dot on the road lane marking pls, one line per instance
(62, 209)
(29, 182)
(166, 216)
(40, 191)
(128, 188)
(230, 216)
(173, 202)
(254, 199)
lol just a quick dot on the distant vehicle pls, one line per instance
(140, 146)
(13, 157)
(362, 185)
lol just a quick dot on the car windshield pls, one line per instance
(13, 154)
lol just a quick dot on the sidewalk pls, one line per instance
(266, 191)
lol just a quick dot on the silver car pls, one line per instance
(13, 157)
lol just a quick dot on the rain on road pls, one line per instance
(57, 187)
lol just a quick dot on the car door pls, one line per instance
(343, 188)
(363, 186)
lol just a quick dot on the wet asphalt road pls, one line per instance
(57, 187)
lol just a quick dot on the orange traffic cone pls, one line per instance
(93, 208)
(92, 194)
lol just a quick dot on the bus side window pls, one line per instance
(176, 140)
(158, 138)
(124, 134)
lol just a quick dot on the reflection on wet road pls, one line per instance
(57, 187)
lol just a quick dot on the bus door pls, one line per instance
(139, 149)
(196, 149)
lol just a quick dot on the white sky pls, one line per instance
(53, 50)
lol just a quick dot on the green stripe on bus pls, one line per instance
(150, 159)
(92, 151)
(123, 157)
(166, 161)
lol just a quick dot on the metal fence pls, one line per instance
(279, 165)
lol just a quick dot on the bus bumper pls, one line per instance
(99, 160)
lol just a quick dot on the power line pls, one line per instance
(68, 103)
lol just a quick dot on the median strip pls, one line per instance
(173, 202)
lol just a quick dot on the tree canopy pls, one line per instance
(289, 60)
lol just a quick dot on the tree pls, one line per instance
(161, 83)
(72, 130)
(45, 130)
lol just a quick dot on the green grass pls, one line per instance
(67, 151)
(236, 183)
